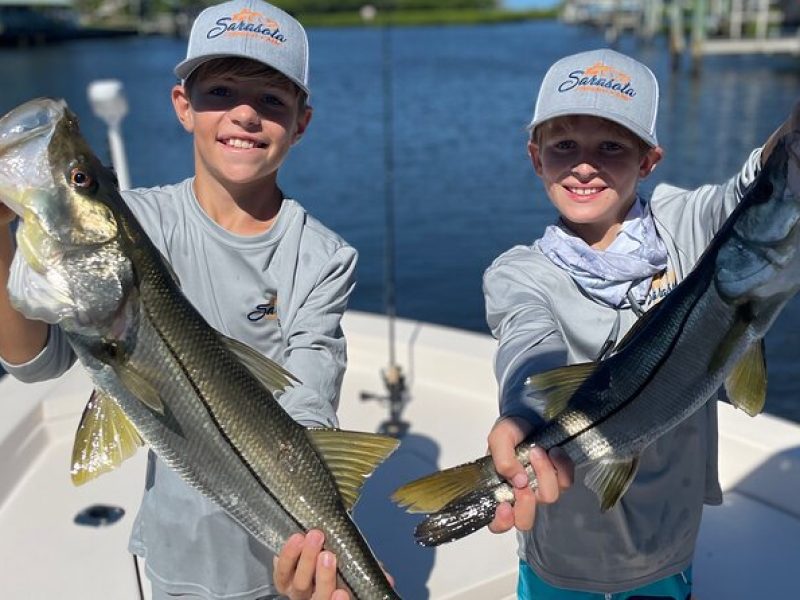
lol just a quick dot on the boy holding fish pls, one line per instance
(571, 296)
(260, 270)
(636, 432)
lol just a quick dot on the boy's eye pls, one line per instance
(219, 91)
(272, 100)
(611, 146)
(564, 145)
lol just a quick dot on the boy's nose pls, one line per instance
(244, 115)
(584, 169)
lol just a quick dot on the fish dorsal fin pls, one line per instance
(140, 387)
(271, 375)
(351, 457)
(557, 386)
(746, 385)
(104, 439)
(610, 479)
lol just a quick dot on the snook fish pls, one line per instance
(706, 333)
(203, 402)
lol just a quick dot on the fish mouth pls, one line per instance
(25, 135)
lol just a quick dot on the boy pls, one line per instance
(256, 265)
(573, 294)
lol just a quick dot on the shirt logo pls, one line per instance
(267, 310)
(601, 78)
(248, 23)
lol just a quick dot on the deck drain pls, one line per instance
(99, 515)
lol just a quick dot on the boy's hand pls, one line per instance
(304, 571)
(6, 215)
(554, 474)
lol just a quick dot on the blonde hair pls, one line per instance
(246, 69)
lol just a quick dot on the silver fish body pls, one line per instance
(706, 333)
(204, 403)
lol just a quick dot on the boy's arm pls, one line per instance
(21, 339)
(30, 350)
(316, 351)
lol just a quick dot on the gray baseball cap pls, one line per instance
(248, 29)
(602, 83)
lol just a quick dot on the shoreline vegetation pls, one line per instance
(431, 16)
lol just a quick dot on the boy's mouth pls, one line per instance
(242, 144)
(585, 191)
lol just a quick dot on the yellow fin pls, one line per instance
(272, 376)
(610, 479)
(746, 385)
(104, 439)
(351, 456)
(433, 492)
(138, 385)
(557, 386)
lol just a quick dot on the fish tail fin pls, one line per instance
(434, 492)
(458, 519)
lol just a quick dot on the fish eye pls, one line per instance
(81, 179)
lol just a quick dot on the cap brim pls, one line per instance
(647, 138)
(186, 67)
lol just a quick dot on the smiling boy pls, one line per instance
(256, 265)
(568, 298)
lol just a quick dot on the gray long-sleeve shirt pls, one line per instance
(542, 320)
(282, 292)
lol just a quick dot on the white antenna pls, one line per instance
(108, 102)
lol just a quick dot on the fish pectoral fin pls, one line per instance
(104, 440)
(351, 457)
(557, 386)
(610, 479)
(271, 375)
(433, 492)
(746, 384)
(140, 387)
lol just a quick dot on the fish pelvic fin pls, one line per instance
(140, 387)
(271, 375)
(610, 479)
(746, 385)
(351, 457)
(433, 492)
(557, 386)
(104, 440)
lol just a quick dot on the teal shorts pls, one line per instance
(676, 587)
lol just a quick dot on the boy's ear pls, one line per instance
(183, 108)
(536, 157)
(303, 120)
(650, 160)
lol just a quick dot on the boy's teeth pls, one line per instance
(585, 191)
(236, 143)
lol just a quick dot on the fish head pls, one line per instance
(760, 261)
(66, 199)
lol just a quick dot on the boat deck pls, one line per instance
(747, 546)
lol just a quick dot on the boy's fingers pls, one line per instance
(285, 563)
(503, 519)
(303, 580)
(325, 579)
(547, 489)
(524, 508)
(565, 468)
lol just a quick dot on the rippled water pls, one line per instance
(464, 190)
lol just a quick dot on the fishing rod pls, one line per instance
(392, 376)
